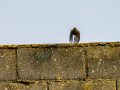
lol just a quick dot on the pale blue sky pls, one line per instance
(50, 21)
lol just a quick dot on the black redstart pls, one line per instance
(74, 36)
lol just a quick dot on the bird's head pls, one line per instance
(74, 31)
(75, 28)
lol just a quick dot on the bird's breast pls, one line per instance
(74, 39)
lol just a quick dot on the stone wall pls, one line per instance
(83, 66)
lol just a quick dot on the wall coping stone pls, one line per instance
(14, 46)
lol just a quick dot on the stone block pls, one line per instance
(51, 63)
(84, 85)
(8, 64)
(103, 62)
(19, 86)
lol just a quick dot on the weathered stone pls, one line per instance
(51, 63)
(18, 86)
(84, 85)
(103, 62)
(118, 84)
(7, 64)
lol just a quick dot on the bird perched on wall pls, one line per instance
(74, 36)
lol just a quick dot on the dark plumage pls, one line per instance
(74, 36)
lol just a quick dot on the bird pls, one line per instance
(74, 35)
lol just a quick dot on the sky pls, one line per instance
(50, 21)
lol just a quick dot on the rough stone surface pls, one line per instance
(19, 86)
(84, 85)
(51, 63)
(82, 66)
(7, 64)
(118, 84)
(103, 62)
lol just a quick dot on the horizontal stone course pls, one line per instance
(15, 46)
